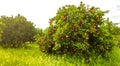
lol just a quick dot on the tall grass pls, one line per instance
(31, 56)
(111, 59)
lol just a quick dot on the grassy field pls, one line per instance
(31, 56)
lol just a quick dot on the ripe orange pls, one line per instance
(66, 36)
(63, 17)
(82, 22)
(97, 17)
(62, 39)
(75, 25)
(67, 23)
(51, 23)
(49, 46)
(85, 34)
(43, 50)
(87, 38)
(53, 29)
(93, 26)
(57, 37)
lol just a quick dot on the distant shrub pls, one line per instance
(1, 26)
(80, 30)
(17, 31)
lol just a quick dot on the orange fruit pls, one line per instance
(87, 38)
(82, 22)
(53, 29)
(93, 26)
(62, 39)
(93, 34)
(63, 17)
(67, 47)
(76, 30)
(67, 23)
(75, 25)
(43, 50)
(57, 37)
(67, 36)
(49, 46)
(51, 23)
(97, 16)
(85, 34)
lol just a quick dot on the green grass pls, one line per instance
(31, 56)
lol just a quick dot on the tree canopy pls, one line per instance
(17, 30)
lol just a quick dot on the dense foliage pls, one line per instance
(80, 30)
(76, 36)
(17, 30)
(1, 26)
(0, 30)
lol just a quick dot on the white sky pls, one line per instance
(39, 11)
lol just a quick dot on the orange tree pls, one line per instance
(80, 30)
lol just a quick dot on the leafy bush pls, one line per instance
(80, 30)
(39, 32)
(115, 31)
(17, 31)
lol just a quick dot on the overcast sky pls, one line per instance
(39, 11)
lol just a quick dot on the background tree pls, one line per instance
(17, 30)
(1, 26)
